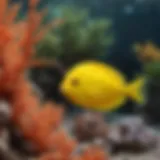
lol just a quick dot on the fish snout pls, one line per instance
(63, 89)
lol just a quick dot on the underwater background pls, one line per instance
(123, 33)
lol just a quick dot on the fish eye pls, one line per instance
(75, 82)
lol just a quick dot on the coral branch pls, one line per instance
(3, 8)
(12, 14)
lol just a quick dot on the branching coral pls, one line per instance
(38, 123)
(17, 43)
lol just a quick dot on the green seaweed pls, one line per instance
(152, 69)
(79, 37)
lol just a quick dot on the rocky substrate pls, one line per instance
(128, 133)
(135, 139)
(154, 155)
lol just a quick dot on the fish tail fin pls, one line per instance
(135, 90)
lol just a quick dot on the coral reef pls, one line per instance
(37, 122)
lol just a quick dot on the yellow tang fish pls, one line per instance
(98, 86)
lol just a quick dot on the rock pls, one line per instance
(132, 135)
(8, 155)
(89, 126)
(5, 114)
(20, 144)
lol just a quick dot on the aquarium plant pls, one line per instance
(79, 37)
(39, 123)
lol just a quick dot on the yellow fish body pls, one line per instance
(98, 86)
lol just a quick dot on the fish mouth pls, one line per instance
(63, 90)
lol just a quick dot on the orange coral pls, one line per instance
(39, 123)
(17, 41)
(92, 153)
